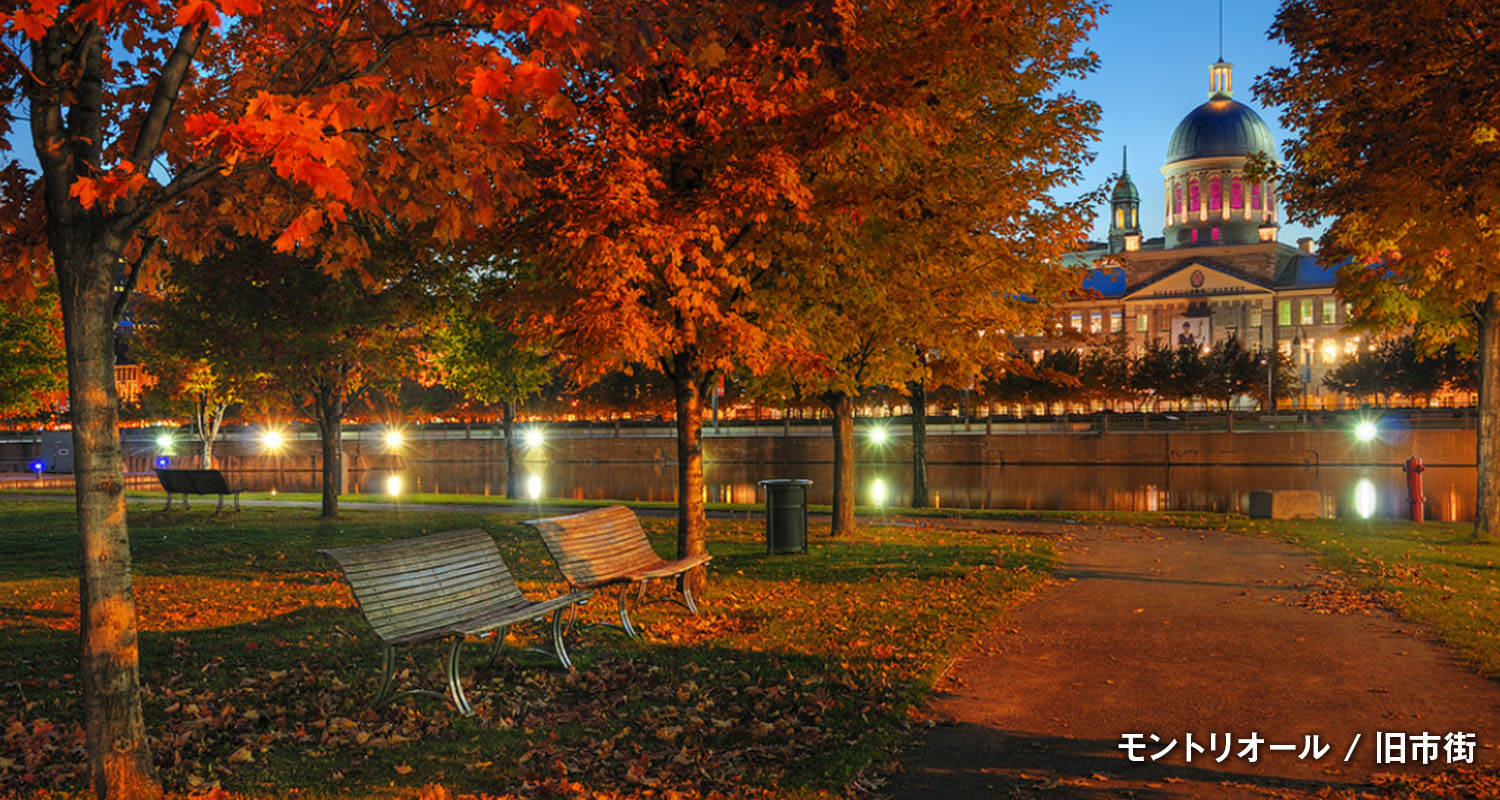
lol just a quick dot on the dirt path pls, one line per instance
(1171, 632)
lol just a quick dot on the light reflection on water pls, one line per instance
(1449, 490)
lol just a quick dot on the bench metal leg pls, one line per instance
(387, 672)
(221, 504)
(455, 686)
(500, 634)
(169, 502)
(625, 612)
(687, 595)
(557, 640)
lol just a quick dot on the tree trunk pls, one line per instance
(512, 480)
(920, 496)
(692, 519)
(119, 758)
(330, 435)
(842, 406)
(1487, 491)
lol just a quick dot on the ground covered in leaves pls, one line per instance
(1434, 573)
(796, 680)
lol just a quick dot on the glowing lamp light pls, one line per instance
(394, 439)
(1366, 430)
(534, 487)
(272, 440)
(37, 466)
(1364, 498)
(162, 462)
(878, 434)
(533, 438)
(877, 492)
(164, 441)
(393, 485)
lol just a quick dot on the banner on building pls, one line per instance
(1191, 332)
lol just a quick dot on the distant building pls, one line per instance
(1218, 272)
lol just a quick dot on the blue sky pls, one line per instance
(1153, 70)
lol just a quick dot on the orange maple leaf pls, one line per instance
(197, 12)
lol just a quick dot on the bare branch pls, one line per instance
(133, 276)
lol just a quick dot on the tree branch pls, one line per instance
(133, 276)
(168, 87)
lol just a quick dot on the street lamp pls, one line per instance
(877, 434)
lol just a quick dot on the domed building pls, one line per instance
(1218, 271)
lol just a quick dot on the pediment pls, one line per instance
(1195, 279)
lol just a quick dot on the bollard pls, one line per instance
(1413, 469)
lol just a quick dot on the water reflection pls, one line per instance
(1449, 490)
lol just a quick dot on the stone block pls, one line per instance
(1286, 504)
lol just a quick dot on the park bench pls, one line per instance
(446, 585)
(196, 481)
(606, 547)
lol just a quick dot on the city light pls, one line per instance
(877, 434)
(162, 462)
(394, 439)
(272, 440)
(877, 492)
(393, 485)
(533, 438)
(37, 467)
(1366, 430)
(1364, 498)
(534, 486)
(164, 441)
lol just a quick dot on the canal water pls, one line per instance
(1449, 490)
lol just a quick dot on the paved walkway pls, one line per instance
(1171, 632)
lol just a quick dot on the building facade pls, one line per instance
(1218, 271)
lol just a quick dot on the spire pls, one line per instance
(1221, 30)
(1220, 80)
(1124, 160)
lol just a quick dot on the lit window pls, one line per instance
(1193, 204)
(1307, 311)
(1329, 309)
(1177, 202)
(1284, 312)
(1076, 321)
(1195, 234)
(1140, 350)
(1215, 194)
(1285, 347)
(1214, 234)
(1236, 193)
(1255, 317)
(1142, 323)
(1135, 218)
(1116, 321)
(1270, 201)
(1036, 356)
(1330, 351)
(1255, 196)
(1351, 345)
(1119, 218)
(1096, 322)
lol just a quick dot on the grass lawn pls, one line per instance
(1433, 573)
(797, 678)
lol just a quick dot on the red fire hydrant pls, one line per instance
(1413, 470)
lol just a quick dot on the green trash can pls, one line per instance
(786, 515)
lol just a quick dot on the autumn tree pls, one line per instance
(482, 358)
(31, 364)
(320, 340)
(727, 149)
(150, 121)
(1395, 141)
(181, 356)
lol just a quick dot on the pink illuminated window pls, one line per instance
(1236, 194)
(1193, 203)
(1195, 234)
(1255, 196)
(1177, 201)
(1214, 235)
(1215, 195)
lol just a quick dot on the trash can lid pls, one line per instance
(786, 482)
